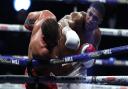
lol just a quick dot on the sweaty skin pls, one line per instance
(77, 21)
(37, 47)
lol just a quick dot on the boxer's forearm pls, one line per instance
(29, 23)
(31, 19)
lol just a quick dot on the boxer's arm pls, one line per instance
(30, 20)
(65, 21)
(72, 18)
(87, 47)
(94, 37)
(77, 16)
(97, 38)
(40, 17)
(72, 39)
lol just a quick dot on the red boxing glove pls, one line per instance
(87, 48)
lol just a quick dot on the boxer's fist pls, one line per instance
(85, 48)
(72, 39)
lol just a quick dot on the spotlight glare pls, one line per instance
(21, 4)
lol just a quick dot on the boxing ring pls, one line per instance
(92, 82)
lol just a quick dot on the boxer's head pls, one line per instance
(95, 13)
(50, 30)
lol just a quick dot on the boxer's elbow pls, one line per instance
(30, 20)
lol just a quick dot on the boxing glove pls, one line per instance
(72, 39)
(85, 48)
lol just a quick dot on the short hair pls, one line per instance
(50, 29)
(99, 6)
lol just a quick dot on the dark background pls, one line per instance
(16, 43)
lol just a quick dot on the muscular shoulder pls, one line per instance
(46, 14)
(34, 14)
(43, 15)
(74, 16)
(78, 15)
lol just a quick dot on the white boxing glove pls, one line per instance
(72, 39)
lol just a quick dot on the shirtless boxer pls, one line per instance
(44, 39)
(86, 25)
(44, 44)
(68, 42)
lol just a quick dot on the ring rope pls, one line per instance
(13, 27)
(90, 55)
(86, 86)
(114, 32)
(104, 31)
(109, 62)
(75, 58)
(97, 86)
(111, 80)
(23, 61)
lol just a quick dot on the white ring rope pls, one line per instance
(85, 86)
(104, 31)
(13, 27)
(114, 32)
(109, 62)
(96, 86)
(110, 1)
(20, 79)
